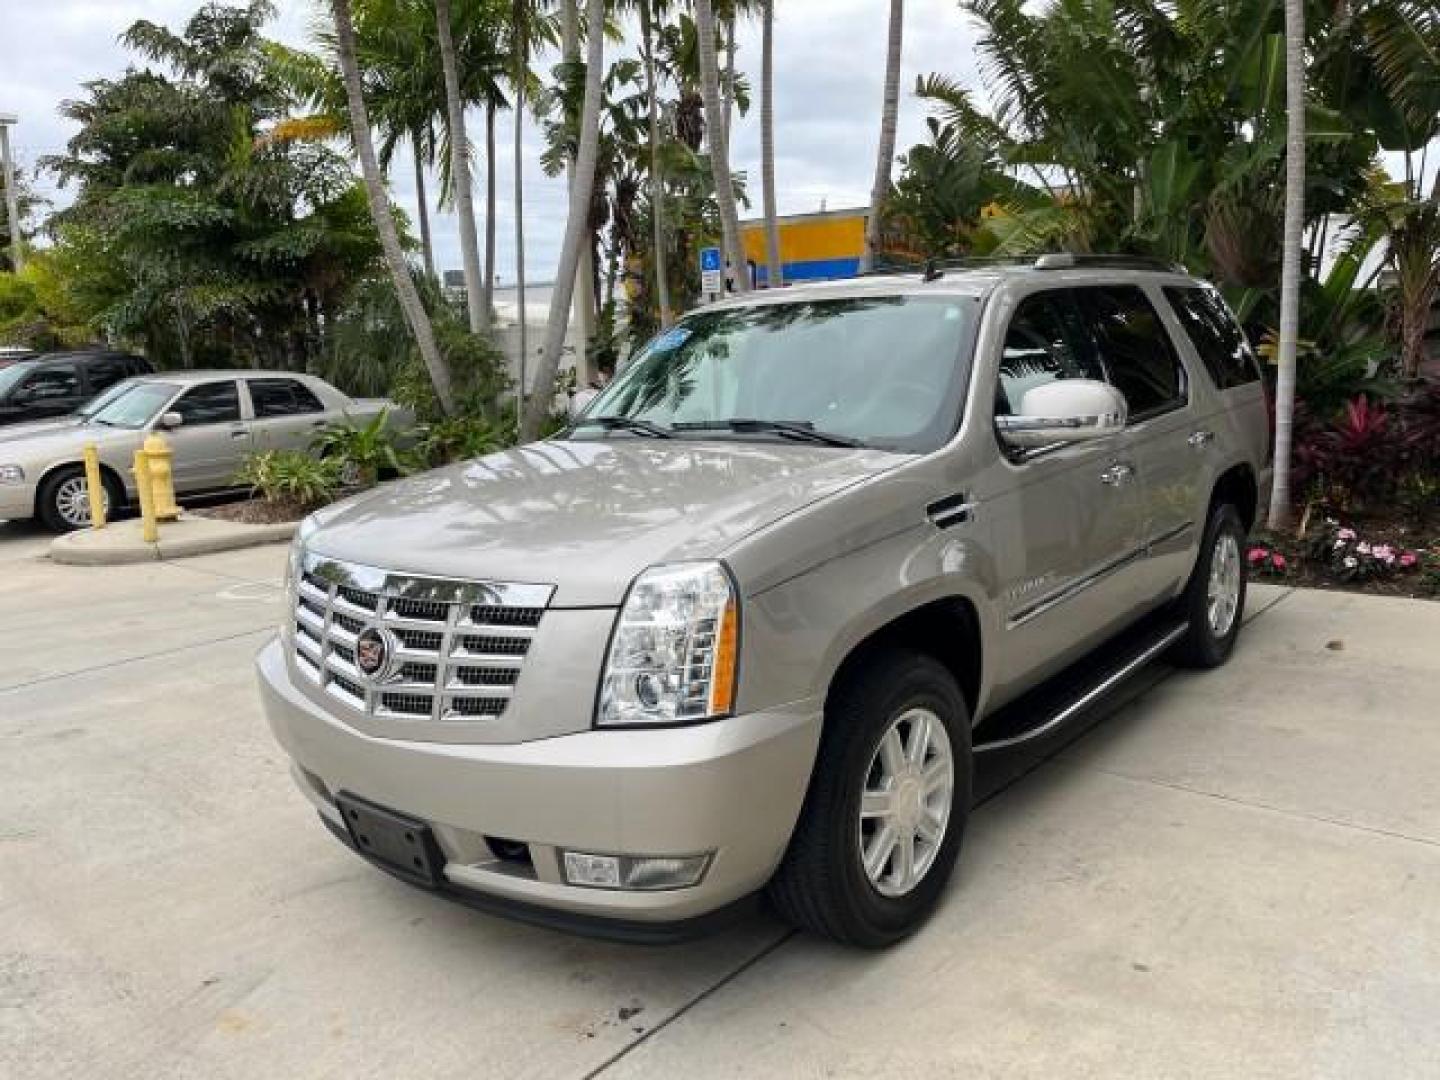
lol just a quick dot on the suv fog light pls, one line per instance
(638, 872)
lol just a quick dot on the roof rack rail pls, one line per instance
(1063, 260)
(934, 269)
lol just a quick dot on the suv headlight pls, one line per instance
(673, 657)
(292, 574)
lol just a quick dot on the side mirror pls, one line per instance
(1065, 411)
(170, 421)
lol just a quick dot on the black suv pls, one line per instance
(59, 383)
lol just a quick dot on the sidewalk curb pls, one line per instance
(120, 543)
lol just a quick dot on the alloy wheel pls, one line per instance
(905, 806)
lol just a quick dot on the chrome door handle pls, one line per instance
(1201, 439)
(1117, 474)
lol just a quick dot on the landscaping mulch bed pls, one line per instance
(254, 512)
(1374, 531)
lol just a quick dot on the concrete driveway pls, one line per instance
(1231, 875)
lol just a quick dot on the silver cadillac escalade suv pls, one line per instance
(747, 625)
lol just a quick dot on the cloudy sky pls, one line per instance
(829, 68)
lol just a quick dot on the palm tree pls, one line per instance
(657, 181)
(1290, 267)
(409, 296)
(719, 144)
(576, 224)
(889, 123)
(460, 173)
(520, 31)
(767, 144)
(427, 248)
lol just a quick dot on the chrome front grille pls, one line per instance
(453, 650)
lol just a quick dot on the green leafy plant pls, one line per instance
(290, 478)
(362, 452)
(460, 438)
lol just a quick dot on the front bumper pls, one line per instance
(732, 787)
(17, 501)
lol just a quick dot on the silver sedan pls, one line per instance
(212, 420)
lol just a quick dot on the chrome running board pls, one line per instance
(1088, 696)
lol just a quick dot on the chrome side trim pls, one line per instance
(1091, 695)
(1073, 587)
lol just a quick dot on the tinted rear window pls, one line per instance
(1135, 348)
(1217, 337)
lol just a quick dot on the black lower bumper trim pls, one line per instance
(626, 931)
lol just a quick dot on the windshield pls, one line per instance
(881, 371)
(135, 407)
(94, 405)
(10, 376)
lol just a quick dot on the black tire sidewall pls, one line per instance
(1203, 646)
(49, 513)
(903, 682)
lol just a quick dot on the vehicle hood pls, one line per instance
(47, 441)
(585, 516)
(35, 427)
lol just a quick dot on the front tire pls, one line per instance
(1213, 603)
(885, 815)
(63, 501)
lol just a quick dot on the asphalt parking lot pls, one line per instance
(1231, 875)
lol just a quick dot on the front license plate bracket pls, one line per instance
(403, 845)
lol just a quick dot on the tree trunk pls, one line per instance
(773, 271)
(729, 71)
(657, 182)
(490, 183)
(719, 145)
(405, 290)
(889, 121)
(577, 225)
(425, 245)
(584, 292)
(1293, 243)
(460, 174)
(522, 66)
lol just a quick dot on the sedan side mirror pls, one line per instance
(1065, 411)
(170, 421)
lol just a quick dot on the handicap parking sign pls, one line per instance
(712, 270)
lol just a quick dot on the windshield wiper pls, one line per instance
(625, 423)
(803, 430)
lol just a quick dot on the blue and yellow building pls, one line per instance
(813, 247)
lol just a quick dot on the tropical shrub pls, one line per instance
(291, 479)
(460, 438)
(363, 452)
(1354, 461)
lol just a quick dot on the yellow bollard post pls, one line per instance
(149, 531)
(162, 478)
(94, 487)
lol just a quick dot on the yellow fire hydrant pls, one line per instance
(162, 478)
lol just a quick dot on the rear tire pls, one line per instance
(895, 754)
(1213, 603)
(62, 503)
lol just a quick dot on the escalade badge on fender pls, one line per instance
(373, 652)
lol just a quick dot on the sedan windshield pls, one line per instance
(136, 407)
(94, 405)
(886, 371)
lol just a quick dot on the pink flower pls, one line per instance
(1384, 552)
(1278, 561)
(1346, 534)
(1258, 555)
(1408, 559)
(1363, 548)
